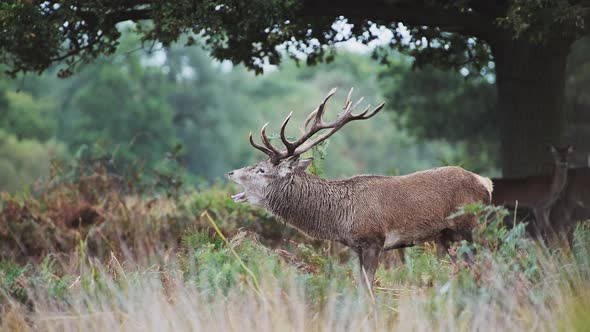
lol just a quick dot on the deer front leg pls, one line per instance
(369, 260)
(562, 223)
(543, 225)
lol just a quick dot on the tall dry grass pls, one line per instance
(181, 292)
(146, 300)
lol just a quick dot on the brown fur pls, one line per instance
(574, 205)
(375, 213)
(538, 193)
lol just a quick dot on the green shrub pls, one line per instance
(12, 281)
(22, 162)
(209, 263)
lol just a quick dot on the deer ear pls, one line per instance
(570, 148)
(551, 148)
(303, 164)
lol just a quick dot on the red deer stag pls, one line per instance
(367, 213)
(539, 193)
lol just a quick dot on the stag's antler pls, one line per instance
(303, 144)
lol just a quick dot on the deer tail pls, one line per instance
(487, 183)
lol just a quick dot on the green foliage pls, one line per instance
(318, 154)
(122, 109)
(422, 267)
(25, 117)
(24, 161)
(249, 32)
(20, 281)
(54, 285)
(35, 34)
(206, 121)
(494, 244)
(211, 265)
(194, 241)
(540, 20)
(12, 281)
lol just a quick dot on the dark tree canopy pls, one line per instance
(36, 34)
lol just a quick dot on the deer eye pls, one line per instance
(260, 171)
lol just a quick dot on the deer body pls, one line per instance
(367, 213)
(538, 193)
(393, 211)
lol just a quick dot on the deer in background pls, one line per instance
(366, 213)
(574, 203)
(539, 193)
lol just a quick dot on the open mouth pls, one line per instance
(240, 197)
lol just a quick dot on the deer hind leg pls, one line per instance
(446, 239)
(443, 243)
(369, 260)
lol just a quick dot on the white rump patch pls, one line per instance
(486, 182)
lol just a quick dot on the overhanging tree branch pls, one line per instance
(129, 15)
(466, 22)
(116, 17)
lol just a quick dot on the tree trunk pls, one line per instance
(530, 80)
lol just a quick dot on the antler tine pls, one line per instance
(266, 141)
(308, 118)
(288, 144)
(363, 115)
(322, 108)
(257, 146)
(351, 107)
(318, 123)
(375, 111)
(348, 99)
(317, 114)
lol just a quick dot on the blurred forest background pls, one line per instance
(176, 110)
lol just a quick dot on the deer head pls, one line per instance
(283, 163)
(561, 155)
(257, 179)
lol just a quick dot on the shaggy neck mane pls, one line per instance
(320, 208)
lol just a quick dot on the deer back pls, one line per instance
(416, 205)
